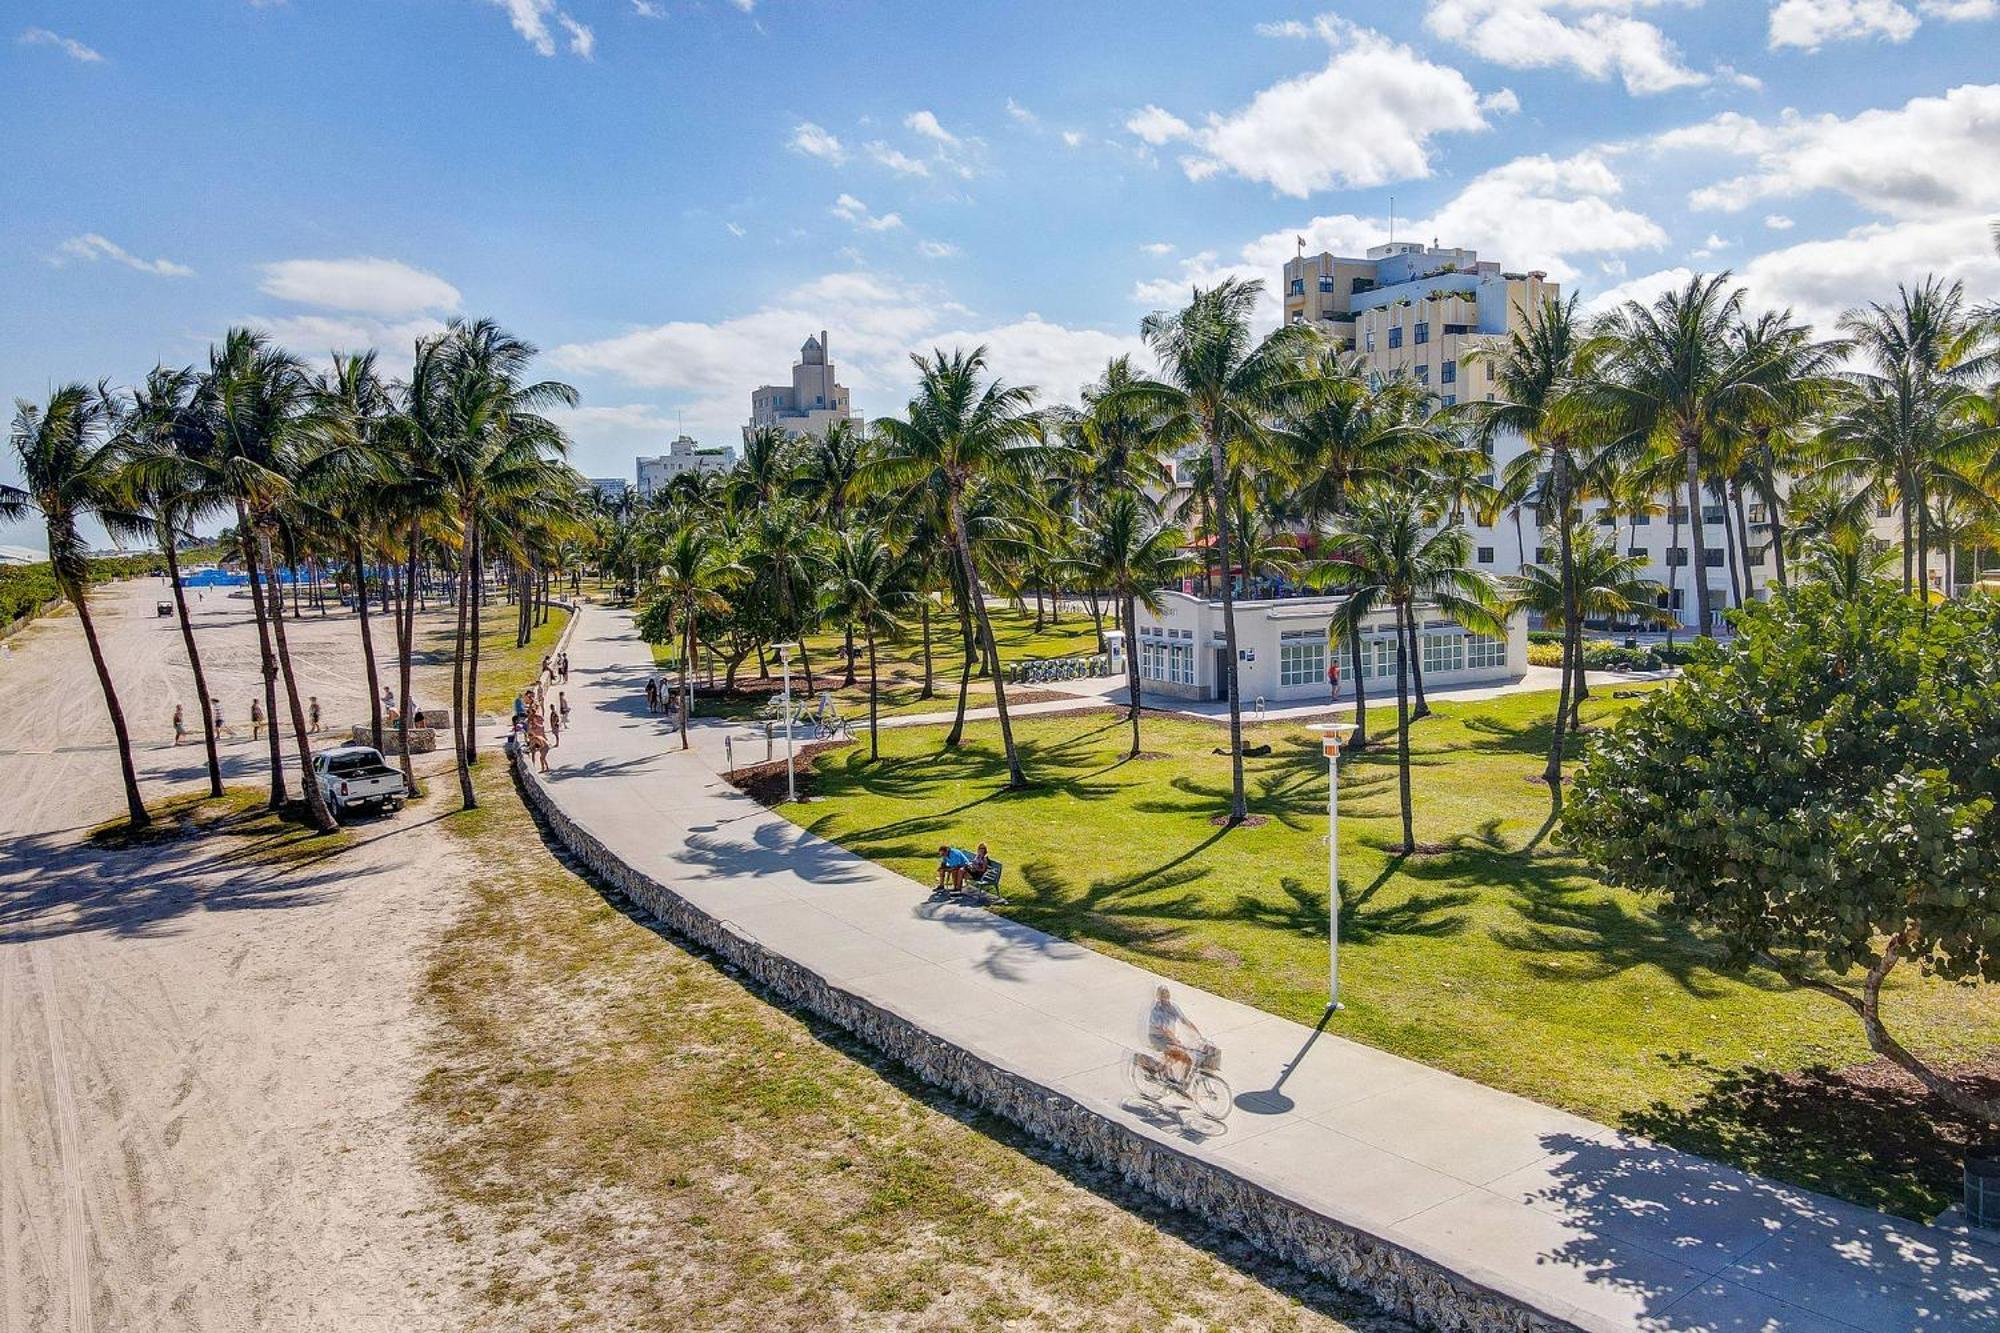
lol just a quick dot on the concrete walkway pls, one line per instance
(1589, 1226)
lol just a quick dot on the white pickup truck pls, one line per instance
(352, 776)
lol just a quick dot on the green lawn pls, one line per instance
(1518, 970)
(503, 668)
(900, 661)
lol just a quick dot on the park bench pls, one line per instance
(990, 881)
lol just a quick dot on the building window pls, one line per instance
(1757, 515)
(1326, 282)
(1298, 286)
(1677, 514)
(1423, 374)
(1607, 519)
(1711, 558)
(1541, 555)
(1676, 556)
(1885, 511)
(1636, 552)
(1302, 658)
(1370, 340)
(1395, 335)
(1489, 371)
(1485, 555)
(1450, 398)
(1642, 520)
(1757, 555)
(1448, 373)
(1712, 514)
(1378, 658)
(1482, 651)
(1423, 331)
(1444, 653)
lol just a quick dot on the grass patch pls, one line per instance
(900, 663)
(504, 667)
(631, 1138)
(1521, 971)
(241, 814)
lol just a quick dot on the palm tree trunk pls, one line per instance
(1403, 730)
(687, 659)
(1360, 741)
(135, 809)
(1239, 807)
(1572, 661)
(473, 576)
(194, 663)
(368, 646)
(267, 662)
(1132, 671)
(1731, 556)
(1742, 517)
(957, 732)
(458, 695)
(1698, 537)
(1673, 543)
(1015, 776)
(1909, 584)
(874, 686)
(847, 649)
(924, 614)
(406, 632)
(316, 811)
(1423, 708)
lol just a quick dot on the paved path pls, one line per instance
(1584, 1223)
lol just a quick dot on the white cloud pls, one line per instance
(745, 5)
(1072, 138)
(69, 46)
(371, 286)
(813, 141)
(851, 210)
(876, 323)
(1711, 247)
(1932, 155)
(1365, 119)
(937, 249)
(1506, 102)
(926, 124)
(1156, 126)
(647, 9)
(1158, 247)
(1808, 24)
(582, 41)
(1598, 38)
(1641, 289)
(735, 230)
(530, 18)
(1960, 11)
(1021, 114)
(1288, 28)
(896, 159)
(1819, 279)
(92, 247)
(316, 336)
(1778, 222)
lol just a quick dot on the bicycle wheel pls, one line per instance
(1143, 1074)
(1211, 1096)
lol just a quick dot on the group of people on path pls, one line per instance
(661, 696)
(257, 719)
(539, 720)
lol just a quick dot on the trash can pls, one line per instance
(1982, 1188)
(1631, 641)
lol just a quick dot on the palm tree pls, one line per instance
(1801, 385)
(1132, 555)
(154, 435)
(1218, 386)
(962, 435)
(827, 468)
(867, 586)
(1536, 373)
(1390, 548)
(357, 405)
(262, 443)
(69, 472)
(492, 444)
(690, 580)
(1601, 584)
(1675, 379)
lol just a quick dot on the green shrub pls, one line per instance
(1545, 636)
(1545, 654)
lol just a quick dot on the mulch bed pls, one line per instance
(1248, 821)
(765, 783)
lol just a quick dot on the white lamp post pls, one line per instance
(785, 662)
(1332, 736)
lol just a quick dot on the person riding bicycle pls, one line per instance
(1163, 1029)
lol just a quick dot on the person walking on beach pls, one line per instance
(180, 725)
(652, 695)
(222, 728)
(313, 713)
(256, 719)
(562, 662)
(555, 726)
(562, 705)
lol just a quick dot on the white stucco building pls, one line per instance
(813, 401)
(1282, 650)
(683, 455)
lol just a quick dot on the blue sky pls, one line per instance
(668, 195)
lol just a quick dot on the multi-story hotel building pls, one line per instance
(813, 401)
(683, 455)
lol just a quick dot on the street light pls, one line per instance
(1332, 736)
(785, 662)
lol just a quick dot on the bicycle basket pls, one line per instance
(1209, 1058)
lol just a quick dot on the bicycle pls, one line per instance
(1152, 1077)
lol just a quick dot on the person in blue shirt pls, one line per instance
(952, 863)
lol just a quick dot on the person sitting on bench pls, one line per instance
(952, 864)
(981, 863)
